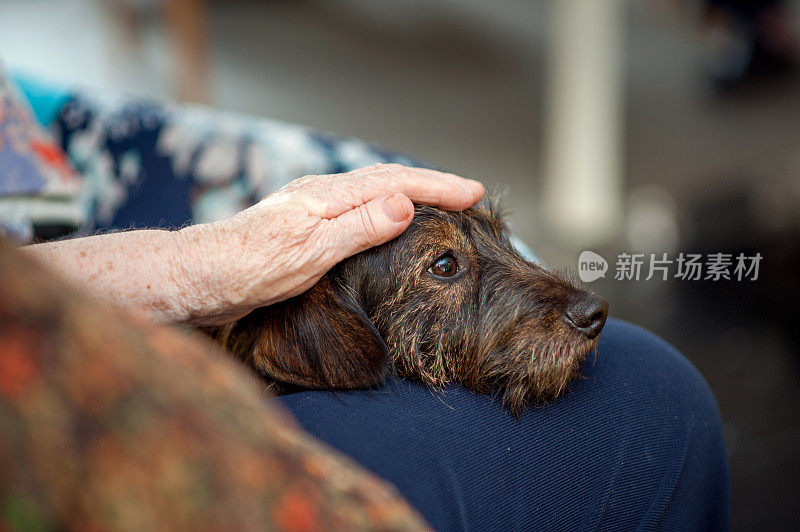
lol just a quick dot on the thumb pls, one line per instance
(371, 224)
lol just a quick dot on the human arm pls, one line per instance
(209, 274)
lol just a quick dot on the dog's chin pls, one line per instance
(544, 370)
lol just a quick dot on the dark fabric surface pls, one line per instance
(637, 444)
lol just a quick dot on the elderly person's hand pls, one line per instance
(209, 274)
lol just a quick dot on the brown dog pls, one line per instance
(450, 300)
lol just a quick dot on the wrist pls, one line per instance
(194, 294)
(208, 292)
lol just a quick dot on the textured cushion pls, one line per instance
(37, 182)
(148, 163)
(153, 164)
(108, 422)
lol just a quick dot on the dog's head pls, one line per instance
(450, 300)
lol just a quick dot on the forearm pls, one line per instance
(210, 274)
(139, 270)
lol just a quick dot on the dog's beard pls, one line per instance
(534, 369)
(524, 365)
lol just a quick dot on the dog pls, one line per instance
(448, 301)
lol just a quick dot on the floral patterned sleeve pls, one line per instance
(111, 423)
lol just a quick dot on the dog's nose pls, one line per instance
(587, 313)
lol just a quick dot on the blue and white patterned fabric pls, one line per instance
(153, 164)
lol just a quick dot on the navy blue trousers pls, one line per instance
(636, 444)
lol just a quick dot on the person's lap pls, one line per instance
(636, 443)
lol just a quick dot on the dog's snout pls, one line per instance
(587, 313)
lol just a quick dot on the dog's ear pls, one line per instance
(319, 339)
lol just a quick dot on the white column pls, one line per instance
(582, 192)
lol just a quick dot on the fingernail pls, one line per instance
(396, 208)
(475, 186)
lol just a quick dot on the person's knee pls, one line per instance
(668, 429)
(638, 360)
(649, 376)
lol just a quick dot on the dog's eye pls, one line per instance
(444, 266)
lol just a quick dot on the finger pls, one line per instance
(421, 185)
(368, 225)
(343, 192)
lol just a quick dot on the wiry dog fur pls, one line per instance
(497, 325)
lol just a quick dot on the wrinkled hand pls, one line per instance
(281, 246)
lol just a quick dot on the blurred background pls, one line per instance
(646, 126)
